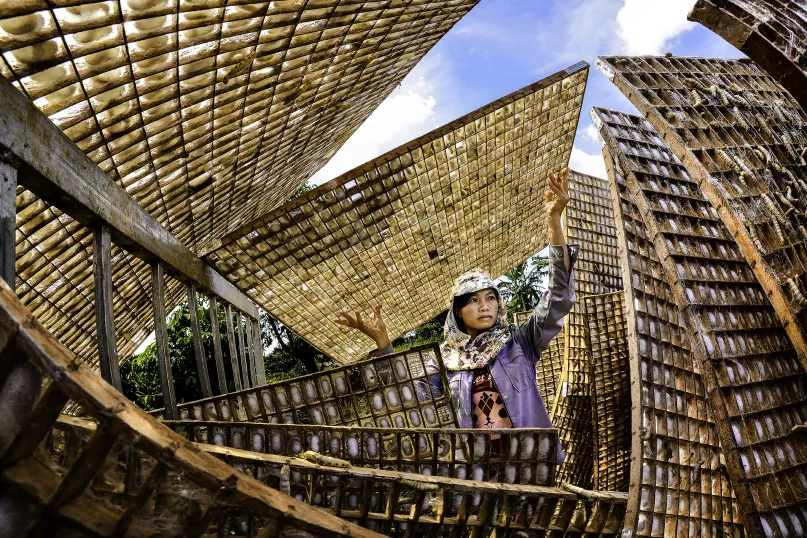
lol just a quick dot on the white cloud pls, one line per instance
(406, 114)
(593, 165)
(590, 133)
(646, 26)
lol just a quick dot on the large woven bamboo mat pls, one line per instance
(211, 113)
(771, 32)
(677, 457)
(401, 228)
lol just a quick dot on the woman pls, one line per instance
(490, 364)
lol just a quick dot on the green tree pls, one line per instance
(428, 333)
(293, 356)
(521, 285)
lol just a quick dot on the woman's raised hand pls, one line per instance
(375, 328)
(558, 194)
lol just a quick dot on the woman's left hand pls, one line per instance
(557, 197)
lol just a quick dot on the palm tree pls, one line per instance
(521, 287)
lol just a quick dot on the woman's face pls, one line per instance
(481, 311)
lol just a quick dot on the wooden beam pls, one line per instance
(8, 218)
(198, 345)
(214, 328)
(161, 339)
(242, 352)
(260, 369)
(228, 313)
(104, 315)
(57, 171)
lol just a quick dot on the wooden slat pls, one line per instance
(214, 329)
(161, 340)
(8, 218)
(228, 313)
(260, 368)
(243, 358)
(198, 345)
(104, 314)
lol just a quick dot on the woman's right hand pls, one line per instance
(375, 328)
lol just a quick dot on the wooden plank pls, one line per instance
(250, 348)
(56, 170)
(228, 313)
(161, 339)
(260, 368)
(214, 328)
(198, 346)
(8, 219)
(242, 353)
(104, 314)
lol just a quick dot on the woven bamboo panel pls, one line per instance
(55, 281)
(211, 114)
(548, 369)
(590, 224)
(401, 390)
(399, 503)
(129, 475)
(772, 33)
(756, 368)
(401, 228)
(744, 147)
(521, 456)
(610, 389)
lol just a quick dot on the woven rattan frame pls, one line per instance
(743, 146)
(772, 33)
(590, 224)
(93, 489)
(754, 382)
(401, 390)
(399, 229)
(209, 113)
(607, 343)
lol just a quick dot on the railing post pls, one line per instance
(214, 328)
(260, 368)
(242, 352)
(228, 313)
(8, 218)
(161, 339)
(104, 315)
(198, 346)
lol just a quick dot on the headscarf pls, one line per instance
(459, 353)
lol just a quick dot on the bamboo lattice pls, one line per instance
(130, 475)
(401, 390)
(676, 443)
(772, 33)
(515, 456)
(610, 389)
(399, 229)
(548, 369)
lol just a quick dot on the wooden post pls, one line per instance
(260, 369)
(214, 328)
(8, 219)
(161, 339)
(228, 313)
(104, 316)
(242, 352)
(198, 346)
(249, 345)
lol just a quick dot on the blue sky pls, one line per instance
(503, 45)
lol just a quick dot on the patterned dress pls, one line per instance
(489, 409)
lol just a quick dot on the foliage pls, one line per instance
(293, 356)
(521, 286)
(429, 333)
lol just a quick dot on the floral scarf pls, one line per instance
(458, 352)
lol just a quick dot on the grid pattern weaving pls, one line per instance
(750, 374)
(610, 389)
(55, 281)
(743, 139)
(399, 229)
(548, 369)
(401, 390)
(773, 33)
(523, 456)
(211, 113)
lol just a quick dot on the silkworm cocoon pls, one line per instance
(240, 67)
(798, 297)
